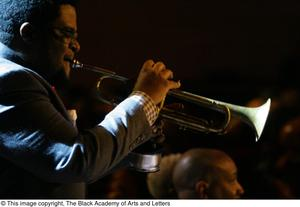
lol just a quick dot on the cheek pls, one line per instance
(224, 190)
(56, 59)
(57, 54)
(57, 49)
(230, 190)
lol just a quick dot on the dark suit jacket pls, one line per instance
(42, 155)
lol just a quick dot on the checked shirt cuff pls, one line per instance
(150, 109)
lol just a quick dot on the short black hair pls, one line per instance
(38, 12)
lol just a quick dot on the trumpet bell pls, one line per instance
(255, 117)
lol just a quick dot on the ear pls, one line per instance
(28, 32)
(201, 189)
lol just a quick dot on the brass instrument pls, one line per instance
(255, 117)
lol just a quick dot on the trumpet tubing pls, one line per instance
(255, 117)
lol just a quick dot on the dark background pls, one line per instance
(231, 50)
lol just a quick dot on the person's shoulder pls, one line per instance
(9, 68)
(14, 76)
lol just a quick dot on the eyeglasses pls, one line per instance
(65, 34)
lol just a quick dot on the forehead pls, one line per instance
(228, 166)
(67, 16)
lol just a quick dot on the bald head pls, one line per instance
(199, 172)
(197, 164)
(160, 183)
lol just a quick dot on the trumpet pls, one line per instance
(255, 117)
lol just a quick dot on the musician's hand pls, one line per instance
(155, 80)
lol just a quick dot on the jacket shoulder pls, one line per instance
(14, 77)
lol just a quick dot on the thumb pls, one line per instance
(174, 84)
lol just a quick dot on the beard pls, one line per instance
(62, 85)
(60, 81)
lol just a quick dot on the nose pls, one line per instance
(240, 189)
(75, 46)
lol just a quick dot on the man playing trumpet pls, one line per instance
(42, 154)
